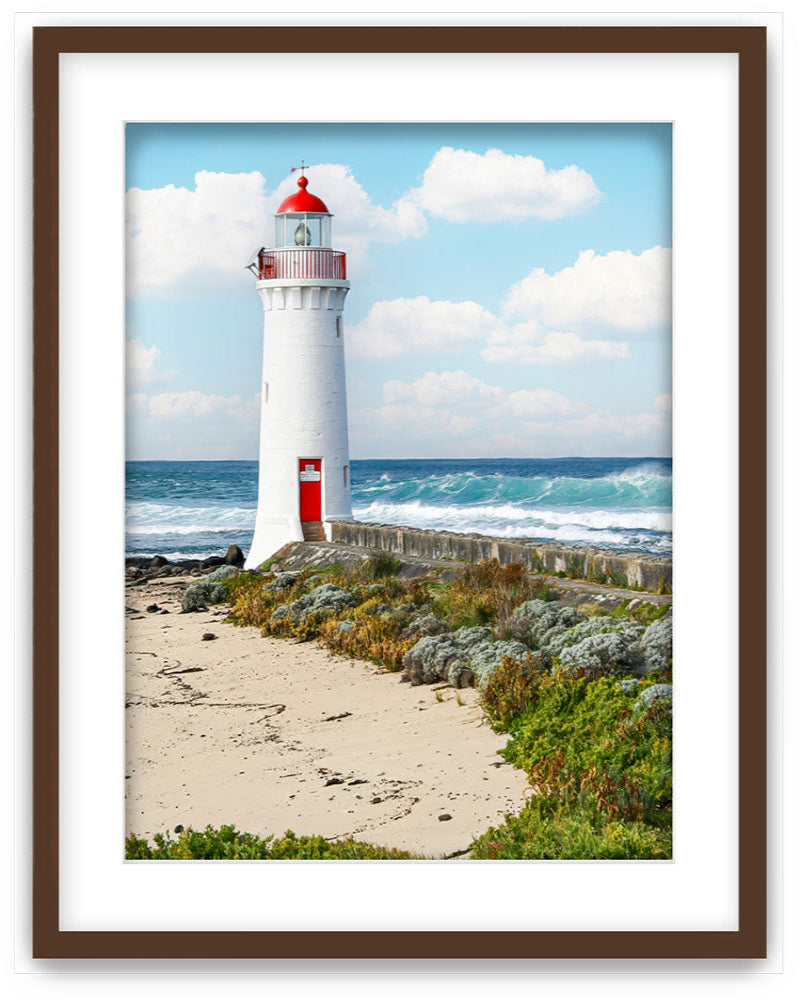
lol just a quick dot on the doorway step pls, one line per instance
(313, 531)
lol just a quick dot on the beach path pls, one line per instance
(269, 735)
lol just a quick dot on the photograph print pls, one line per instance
(398, 575)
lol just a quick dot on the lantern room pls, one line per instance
(303, 246)
(303, 220)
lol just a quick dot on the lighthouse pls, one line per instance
(304, 468)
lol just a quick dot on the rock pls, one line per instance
(334, 781)
(208, 636)
(346, 626)
(461, 658)
(222, 573)
(201, 593)
(152, 609)
(213, 561)
(163, 611)
(234, 556)
(282, 581)
(656, 692)
(157, 561)
(444, 817)
(628, 685)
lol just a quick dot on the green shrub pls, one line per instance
(486, 592)
(542, 831)
(228, 844)
(380, 565)
(510, 690)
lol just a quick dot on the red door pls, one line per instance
(310, 489)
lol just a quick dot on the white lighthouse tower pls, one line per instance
(304, 468)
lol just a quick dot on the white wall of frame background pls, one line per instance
(175, 979)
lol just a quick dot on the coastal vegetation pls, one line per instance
(227, 844)
(583, 693)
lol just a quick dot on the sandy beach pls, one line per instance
(270, 735)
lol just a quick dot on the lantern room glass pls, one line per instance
(294, 229)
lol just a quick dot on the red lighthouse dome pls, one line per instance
(302, 201)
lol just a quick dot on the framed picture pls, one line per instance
(552, 244)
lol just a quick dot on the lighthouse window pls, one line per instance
(338, 326)
(266, 392)
(346, 475)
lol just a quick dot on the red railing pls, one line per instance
(302, 262)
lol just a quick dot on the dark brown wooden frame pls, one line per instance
(749, 941)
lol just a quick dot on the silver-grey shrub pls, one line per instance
(328, 597)
(657, 645)
(662, 692)
(461, 658)
(538, 623)
(605, 653)
(602, 625)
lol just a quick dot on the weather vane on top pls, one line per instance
(302, 168)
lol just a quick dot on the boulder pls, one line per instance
(222, 573)
(157, 561)
(210, 590)
(234, 556)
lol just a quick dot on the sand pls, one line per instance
(271, 734)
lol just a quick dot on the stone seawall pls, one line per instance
(600, 565)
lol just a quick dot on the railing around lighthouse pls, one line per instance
(302, 262)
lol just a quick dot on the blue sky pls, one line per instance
(510, 284)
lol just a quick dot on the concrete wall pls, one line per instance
(638, 569)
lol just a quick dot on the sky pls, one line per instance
(510, 285)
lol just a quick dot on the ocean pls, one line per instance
(190, 510)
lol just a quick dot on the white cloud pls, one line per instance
(437, 388)
(193, 405)
(527, 343)
(453, 413)
(464, 186)
(140, 361)
(618, 290)
(530, 403)
(664, 401)
(402, 326)
(135, 403)
(604, 426)
(181, 240)
(192, 425)
(398, 326)
(402, 423)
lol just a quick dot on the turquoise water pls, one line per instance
(196, 509)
